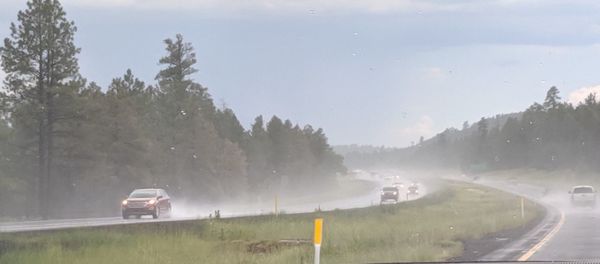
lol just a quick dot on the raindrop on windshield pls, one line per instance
(172, 147)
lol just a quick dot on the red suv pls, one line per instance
(154, 202)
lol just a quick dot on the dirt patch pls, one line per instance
(475, 249)
(266, 247)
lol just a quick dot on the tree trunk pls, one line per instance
(42, 180)
(50, 154)
(42, 150)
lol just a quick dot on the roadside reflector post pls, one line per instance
(276, 205)
(318, 237)
(522, 208)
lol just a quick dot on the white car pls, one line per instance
(583, 195)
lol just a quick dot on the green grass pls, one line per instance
(428, 229)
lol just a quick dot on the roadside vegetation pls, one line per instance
(428, 229)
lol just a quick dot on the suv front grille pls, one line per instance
(136, 204)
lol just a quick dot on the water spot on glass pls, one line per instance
(353, 54)
(451, 227)
(312, 11)
(194, 156)
(182, 112)
(355, 33)
(543, 81)
(172, 148)
(508, 141)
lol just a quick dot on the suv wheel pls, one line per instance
(169, 211)
(125, 216)
(156, 213)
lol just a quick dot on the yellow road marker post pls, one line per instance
(318, 238)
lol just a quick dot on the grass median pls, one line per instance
(428, 229)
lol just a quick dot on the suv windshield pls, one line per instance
(390, 189)
(143, 194)
(583, 190)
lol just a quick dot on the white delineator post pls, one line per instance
(318, 237)
(522, 208)
(276, 205)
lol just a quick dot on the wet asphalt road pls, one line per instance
(567, 232)
(188, 213)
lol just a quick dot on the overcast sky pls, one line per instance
(380, 72)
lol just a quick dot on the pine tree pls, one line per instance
(196, 160)
(39, 58)
(552, 100)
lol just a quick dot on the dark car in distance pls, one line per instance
(390, 193)
(154, 202)
(413, 189)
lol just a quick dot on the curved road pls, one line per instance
(183, 212)
(567, 233)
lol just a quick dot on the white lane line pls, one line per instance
(542, 242)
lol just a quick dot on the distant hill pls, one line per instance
(551, 135)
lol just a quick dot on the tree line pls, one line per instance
(69, 147)
(550, 135)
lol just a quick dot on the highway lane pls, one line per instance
(577, 239)
(188, 212)
(566, 233)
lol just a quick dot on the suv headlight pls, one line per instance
(124, 202)
(152, 201)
